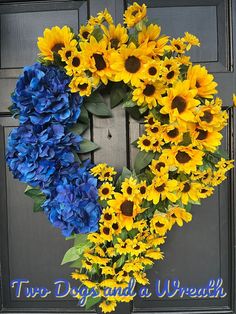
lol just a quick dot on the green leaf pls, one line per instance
(79, 128)
(120, 261)
(142, 110)
(126, 173)
(71, 255)
(80, 239)
(97, 106)
(84, 117)
(97, 33)
(142, 160)
(118, 93)
(134, 112)
(77, 263)
(87, 146)
(129, 104)
(38, 197)
(91, 302)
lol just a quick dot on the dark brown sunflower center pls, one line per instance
(159, 165)
(99, 61)
(115, 43)
(107, 216)
(177, 47)
(182, 157)
(152, 71)
(57, 47)
(107, 174)
(159, 224)
(127, 208)
(132, 64)
(68, 54)
(205, 176)
(151, 121)
(129, 190)
(168, 66)
(135, 12)
(88, 263)
(173, 133)
(137, 247)
(179, 103)
(155, 129)
(106, 230)
(160, 188)
(76, 62)
(115, 226)
(149, 90)
(85, 34)
(105, 191)
(202, 135)
(146, 142)
(83, 86)
(203, 190)
(173, 215)
(198, 84)
(156, 144)
(207, 117)
(186, 187)
(143, 190)
(170, 75)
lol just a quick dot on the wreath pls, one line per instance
(118, 221)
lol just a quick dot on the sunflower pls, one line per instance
(204, 139)
(148, 93)
(116, 36)
(116, 226)
(218, 177)
(185, 158)
(162, 188)
(134, 14)
(85, 32)
(105, 16)
(77, 276)
(178, 215)
(161, 46)
(107, 174)
(98, 250)
(149, 33)
(152, 71)
(173, 133)
(54, 40)
(81, 84)
(201, 80)
(189, 191)
(141, 278)
(140, 225)
(170, 76)
(150, 120)
(159, 167)
(108, 270)
(142, 186)
(234, 100)
(177, 45)
(108, 306)
(155, 240)
(129, 188)
(75, 64)
(138, 247)
(205, 176)
(105, 191)
(97, 59)
(87, 264)
(169, 63)
(224, 164)
(123, 247)
(211, 117)
(106, 232)
(145, 143)
(154, 254)
(160, 224)
(67, 51)
(95, 238)
(126, 210)
(129, 63)
(156, 144)
(191, 40)
(97, 170)
(182, 59)
(122, 276)
(133, 265)
(206, 191)
(180, 103)
(108, 215)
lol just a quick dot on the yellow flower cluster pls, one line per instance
(183, 120)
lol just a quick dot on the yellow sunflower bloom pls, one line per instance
(98, 250)
(162, 188)
(189, 191)
(108, 270)
(173, 133)
(107, 174)
(133, 265)
(224, 164)
(108, 306)
(81, 84)
(177, 45)
(170, 76)
(148, 93)
(206, 191)
(159, 167)
(97, 170)
(142, 186)
(108, 215)
(154, 129)
(97, 59)
(75, 64)
(149, 33)
(152, 71)
(155, 254)
(122, 276)
(185, 158)
(129, 63)
(105, 191)
(218, 177)
(105, 16)
(126, 210)
(141, 278)
(234, 100)
(116, 36)
(134, 14)
(155, 240)
(140, 225)
(78, 276)
(85, 32)
(129, 188)
(191, 40)
(204, 139)
(178, 215)
(138, 247)
(201, 80)
(67, 51)
(161, 46)
(87, 264)
(54, 40)
(123, 247)
(156, 144)
(106, 232)
(180, 103)
(145, 143)
(160, 224)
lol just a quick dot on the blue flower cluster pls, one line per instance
(41, 151)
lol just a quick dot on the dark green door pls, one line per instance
(204, 249)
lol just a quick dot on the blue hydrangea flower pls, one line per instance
(35, 154)
(42, 95)
(72, 200)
